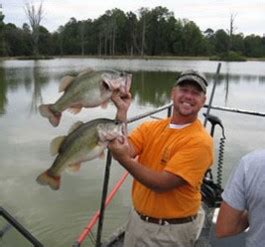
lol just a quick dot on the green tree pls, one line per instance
(177, 38)
(46, 45)
(221, 41)
(156, 32)
(90, 44)
(2, 37)
(210, 41)
(192, 38)
(131, 36)
(27, 40)
(237, 43)
(254, 46)
(14, 39)
(70, 38)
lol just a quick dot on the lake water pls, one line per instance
(56, 218)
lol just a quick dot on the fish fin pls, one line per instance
(74, 167)
(53, 117)
(46, 179)
(65, 82)
(104, 105)
(55, 144)
(74, 110)
(75, 126)
(86, 71)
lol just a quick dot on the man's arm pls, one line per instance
(230, 221)
(157, 181)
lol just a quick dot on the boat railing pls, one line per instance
(12, 222)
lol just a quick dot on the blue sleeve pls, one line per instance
(235, 191)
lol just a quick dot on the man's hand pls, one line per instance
(120, 149)
(122, 102)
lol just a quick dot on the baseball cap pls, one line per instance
(195, 76)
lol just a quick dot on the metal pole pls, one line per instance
(212, 94)
(103, 198)
(241, 111)
(20, 228)
(169, 111)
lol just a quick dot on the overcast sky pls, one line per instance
(249, 16)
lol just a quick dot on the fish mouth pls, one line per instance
(106, 85)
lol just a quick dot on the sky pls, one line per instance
(249, 15)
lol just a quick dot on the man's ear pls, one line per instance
(204, 99)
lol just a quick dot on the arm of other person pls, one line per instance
(230, 221)
(233, 217)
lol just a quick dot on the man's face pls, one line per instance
(188, 99)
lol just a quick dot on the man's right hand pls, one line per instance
(122, 102)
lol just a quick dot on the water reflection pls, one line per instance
(148, 88)
(38, 80)
(152, 88)
(3, 91)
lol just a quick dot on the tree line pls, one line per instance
(150, 32)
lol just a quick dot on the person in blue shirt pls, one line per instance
(244, 201)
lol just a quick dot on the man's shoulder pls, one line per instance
(200, 132)
(254, 155)
(253, 159)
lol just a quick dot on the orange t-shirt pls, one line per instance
(186, 152)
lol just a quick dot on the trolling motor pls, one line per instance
(211, 191)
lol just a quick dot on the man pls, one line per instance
(168, 159)
(244, 201)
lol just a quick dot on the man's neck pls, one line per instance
(181, 120)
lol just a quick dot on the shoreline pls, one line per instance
(205, 58)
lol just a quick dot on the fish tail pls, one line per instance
(54, 117)
(46, 179)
